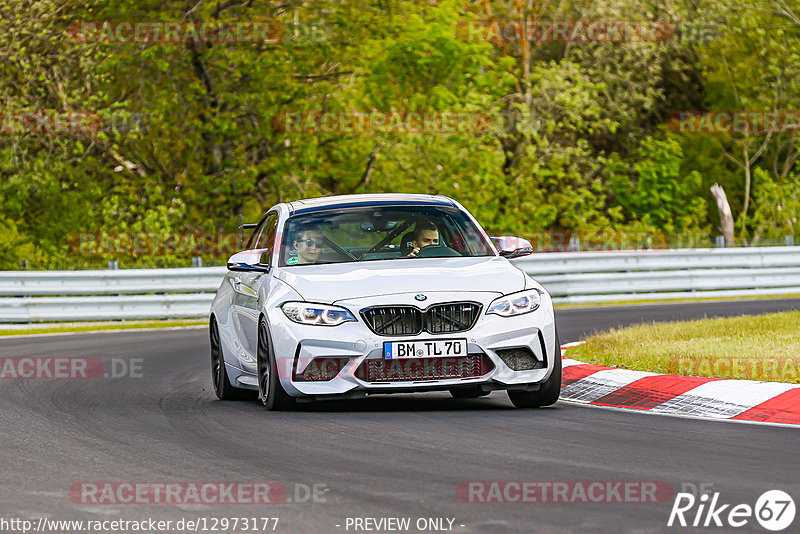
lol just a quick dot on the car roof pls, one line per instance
(378, 199)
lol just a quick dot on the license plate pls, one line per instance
(439, 348)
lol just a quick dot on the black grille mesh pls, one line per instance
(379, 370)
(394, 321)
(456, 317)
(409, 321)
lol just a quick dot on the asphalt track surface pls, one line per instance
(384, 456)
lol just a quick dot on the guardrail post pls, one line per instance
(789, 240)
(197, 261)
(720, 241)
(113, 265)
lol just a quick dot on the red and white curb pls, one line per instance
(690, 396)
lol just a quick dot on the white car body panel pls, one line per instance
(327, 284)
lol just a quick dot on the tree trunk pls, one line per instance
(725, 214)
(747, 180)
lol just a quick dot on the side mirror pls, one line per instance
(249, 261)
(512, 247)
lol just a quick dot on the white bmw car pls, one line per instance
(347, 296)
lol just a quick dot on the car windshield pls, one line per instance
(380, 233)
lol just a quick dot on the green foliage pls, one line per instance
(568, 136)
(658, 194)
(778, 208)
(14, 249)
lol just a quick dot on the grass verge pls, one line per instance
(761, 347)
(63, 328)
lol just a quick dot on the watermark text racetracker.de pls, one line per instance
(182, 31)
(564, 492)
(779, 369)
(385, 122)
(743, 122)
(566, 31)
(195, 492)
(68, 368)
(148, 525)
(137, 243)
(85, 122)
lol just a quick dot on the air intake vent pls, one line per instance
(520, 359)
(410, 369)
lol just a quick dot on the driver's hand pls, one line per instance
(413, 253)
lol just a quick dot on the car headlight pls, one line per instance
(516, 303)
(318, 314)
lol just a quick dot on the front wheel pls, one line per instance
(548, 392)
(219, 375)
(270, 390)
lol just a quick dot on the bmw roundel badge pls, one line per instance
(420, 298)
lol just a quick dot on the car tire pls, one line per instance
(270, 390)
(468, 393)
(219, 375)
(548, 392)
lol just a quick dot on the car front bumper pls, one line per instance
(296, 345)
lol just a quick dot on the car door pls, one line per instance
(246, 286)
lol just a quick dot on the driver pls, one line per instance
(425, 234)
(308, 242)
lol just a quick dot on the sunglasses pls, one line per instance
(311, 242)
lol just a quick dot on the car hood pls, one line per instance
(329, 283)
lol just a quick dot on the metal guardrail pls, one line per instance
(42, 309)
(659, 260)
(111, 282)
(39, 296)
(594, 277)
(570, 277)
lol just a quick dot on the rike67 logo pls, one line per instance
(774, 510)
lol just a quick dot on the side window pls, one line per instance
(266, 236)
(250, 245)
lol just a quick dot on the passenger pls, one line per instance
(308, 242)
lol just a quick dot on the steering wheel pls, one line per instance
(436, 251)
